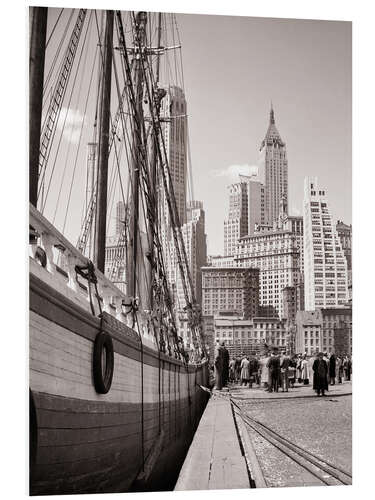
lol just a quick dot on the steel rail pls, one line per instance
(298, 454)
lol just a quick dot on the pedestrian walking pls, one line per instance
(257, 376)
(305, 370)
(225, 364)
(218, 363)
(237, 370)
(339, 369)
(320, 369)
(299, 369)
(264, 371)
(232, 365)
(245, 371)
(349, 368)
(284, 368)
(332, 369)
(274, 368)
(292, 372)
(253, 369)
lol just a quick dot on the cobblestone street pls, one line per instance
(320, 425)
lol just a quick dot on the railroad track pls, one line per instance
(328, 473)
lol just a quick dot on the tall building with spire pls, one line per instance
(274, 171)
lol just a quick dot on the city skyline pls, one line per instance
(304, 68)
(228, 104)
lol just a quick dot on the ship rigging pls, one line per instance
(134, 139)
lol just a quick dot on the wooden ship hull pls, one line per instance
(134, 437)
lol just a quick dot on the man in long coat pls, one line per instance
(332, 369)
(320, 369)
(339, 369)
(274, 368)
(225, 364)
(284, 367)
(253, 369)
(218, 367)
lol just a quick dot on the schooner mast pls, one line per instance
(136, 154)
(102, 174)
(160, 93)
(38, 30)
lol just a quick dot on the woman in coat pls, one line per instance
(305, 370)
(320, 369)
(245, 371)
(264, 374)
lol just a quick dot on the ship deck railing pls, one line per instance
(57, 268)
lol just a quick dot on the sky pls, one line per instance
(233, 68)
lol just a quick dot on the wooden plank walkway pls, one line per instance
(214, 460)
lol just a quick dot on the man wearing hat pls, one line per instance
(320, 369)
(225, 372)
(274, 368)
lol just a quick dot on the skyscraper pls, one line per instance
(344, 232)
(277, 253)
(325, 267)
(246, 211)
(173, 117)
(193, 232)
(120, 217)
(236, 225)
(274, 171)
(173, 112)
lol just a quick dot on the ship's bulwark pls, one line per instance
(84, 442)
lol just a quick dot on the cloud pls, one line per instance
(70, 122)
(233, 171)
(295, 211)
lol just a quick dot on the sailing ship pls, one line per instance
(115, 397)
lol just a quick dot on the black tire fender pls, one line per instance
(103, 374)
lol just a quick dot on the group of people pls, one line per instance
(274, 371)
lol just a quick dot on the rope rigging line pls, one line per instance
(53, 29)
(65, 118)
(174, 215)
(72, 128)
(78, 147)
(144, 177)
(53, 64)
(54, 109)
(168, 186)
(88, 219)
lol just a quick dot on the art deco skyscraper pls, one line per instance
(325, 267)
(273, 170)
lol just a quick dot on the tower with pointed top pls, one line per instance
(274, 171)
